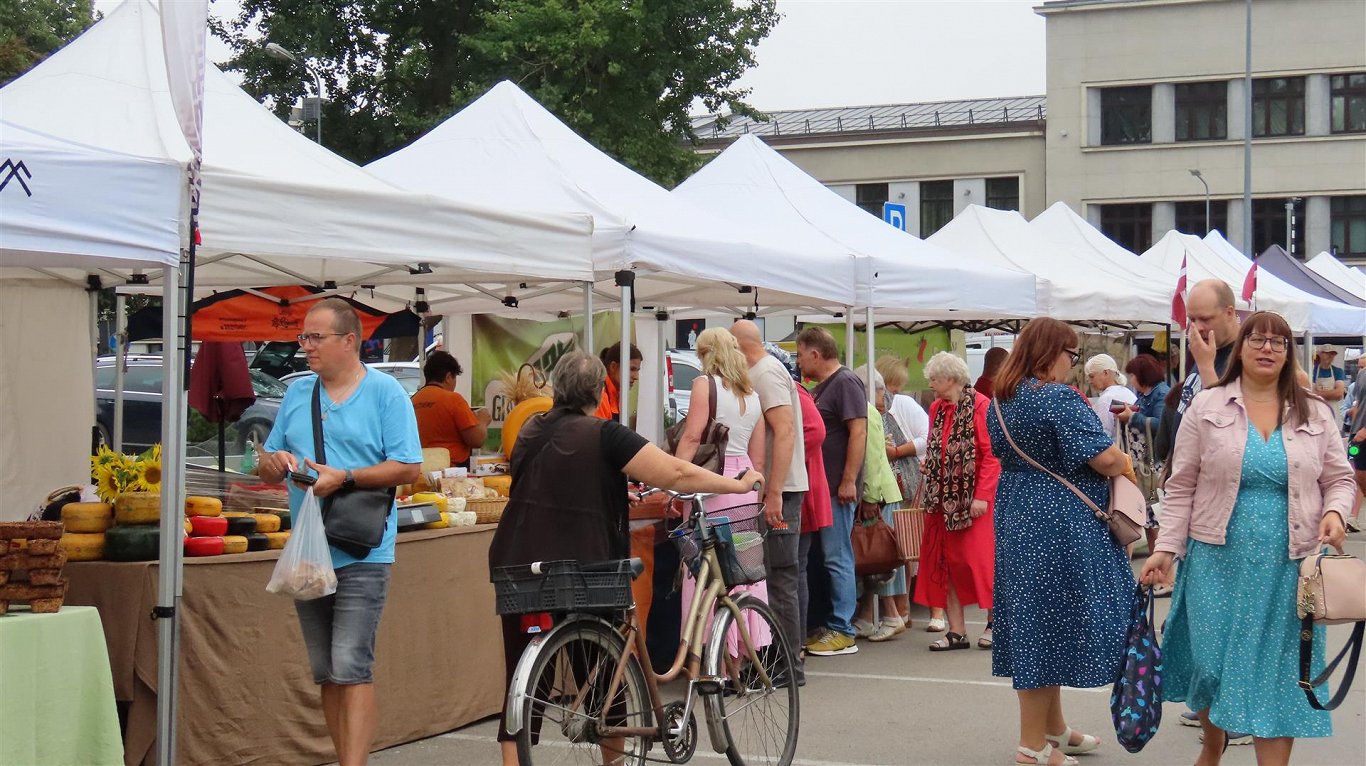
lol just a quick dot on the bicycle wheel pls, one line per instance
(560, 725)
(759, 724)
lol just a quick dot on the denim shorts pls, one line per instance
(339, 630)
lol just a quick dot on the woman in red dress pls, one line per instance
(960, 473)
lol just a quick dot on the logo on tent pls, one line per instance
(11, 170)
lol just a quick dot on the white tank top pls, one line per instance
(728, 414)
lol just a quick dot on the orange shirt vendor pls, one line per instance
(444, 418)
(610, 408)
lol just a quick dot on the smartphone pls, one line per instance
(1118, 407)
(303, 478)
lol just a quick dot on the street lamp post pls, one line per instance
(284, 54)
(1201, 179)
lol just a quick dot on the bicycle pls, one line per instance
(580, 693)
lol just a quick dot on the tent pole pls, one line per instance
(588, 317)
(625, 280)
(868, 333)
(661, 348)
(172, 498)
(849, 337)
(421, 329)
(1182, 366)
(1309, 354)
(120, 354)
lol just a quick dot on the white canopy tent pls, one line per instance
(901, 276)
(1350, 278)
(1304, 312)
(506, 149)
(1061, 224)
(1072, 285)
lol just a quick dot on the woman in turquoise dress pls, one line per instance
(1258, 483)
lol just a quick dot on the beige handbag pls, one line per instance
(1332, 590)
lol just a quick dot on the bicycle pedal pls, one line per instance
(711, 684)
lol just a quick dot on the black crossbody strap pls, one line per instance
(319, 454)
(1307, 659)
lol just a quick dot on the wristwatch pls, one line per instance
(349, 482)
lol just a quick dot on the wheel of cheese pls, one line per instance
(500, 483)
(243, 526)
(204, 546)
(235, 544)
(258, 542)
(83, 546)
(444, 523)
(235, 514)
(132, 542)
(285, 520)
(87, 517)
(512, 425)
(137, 508)
(435, 498)
(276, 540)
(203, 506)
(266, 522)
(208, 526)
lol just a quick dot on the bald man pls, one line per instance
(1212, 329)
(786, 472)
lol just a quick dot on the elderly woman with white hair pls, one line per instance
(959, 473)
(881, 495)
(1109, 386)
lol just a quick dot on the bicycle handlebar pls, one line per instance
(758, 485)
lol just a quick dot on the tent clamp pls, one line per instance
(163, 613)
(330, 284)
(93, 283)
(661, 315)
(137, 278)
(422, 268)
(511, 301)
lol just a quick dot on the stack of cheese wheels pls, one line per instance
(84, 525)
(135, 535)
(207, 526)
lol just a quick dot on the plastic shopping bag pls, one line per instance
(304, 571)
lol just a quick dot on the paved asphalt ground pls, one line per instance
(898, 703)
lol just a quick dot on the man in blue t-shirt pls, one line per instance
(1329, 382)
(370, 439)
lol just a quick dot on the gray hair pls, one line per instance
(878, 382)
(1103, 362)
(578, 379)
(946, 366)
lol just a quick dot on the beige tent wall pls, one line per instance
(47, 388)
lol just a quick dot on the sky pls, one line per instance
(826, 53)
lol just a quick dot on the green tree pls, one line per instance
(624, 73)
(32, 29)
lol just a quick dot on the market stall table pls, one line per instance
(57, 701)
(247, 695)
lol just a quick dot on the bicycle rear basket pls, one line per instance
(563, 586)
(740, 544)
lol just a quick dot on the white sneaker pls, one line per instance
(886, 631)
(864, 628)
(937, 625)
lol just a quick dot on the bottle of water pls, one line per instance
(249, 458)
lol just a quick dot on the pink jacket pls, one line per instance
(1208, 463)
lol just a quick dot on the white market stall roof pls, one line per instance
(903, 277)
(1347, 277)
(276, 208)
(1304, 312)
(1072, 285)
(507, 150)
(1061, 224)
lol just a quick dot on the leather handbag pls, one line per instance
(354, 519)
(1136, 698)
(711, 453)
(1332, 591)
(875, 549)
(1128, 511)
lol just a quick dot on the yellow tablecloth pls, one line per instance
(56, 690)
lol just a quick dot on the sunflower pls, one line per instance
(146, 471)
(107, 484)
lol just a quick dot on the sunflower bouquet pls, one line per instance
(114, 473)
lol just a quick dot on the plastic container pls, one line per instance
(563, 586)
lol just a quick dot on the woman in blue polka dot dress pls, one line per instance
(1064, 589)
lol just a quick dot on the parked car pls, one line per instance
(142, 389)
(681, 368)
(409, 374)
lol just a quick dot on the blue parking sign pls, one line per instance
(895, 214)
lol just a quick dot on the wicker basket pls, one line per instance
(487, 510)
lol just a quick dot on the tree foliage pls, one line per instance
(32, 29)
(624, 73)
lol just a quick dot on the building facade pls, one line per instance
(1144, 110)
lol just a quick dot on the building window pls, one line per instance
(1129, 225)
(1003, 193)
(1268, 225)
(1126, 115)
(1348, 215)
(1348, 95)
(936, 206)
(870, 197)
(1201, 111)
(1278, 107)
(1190, 217)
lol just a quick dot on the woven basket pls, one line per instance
(487, 510)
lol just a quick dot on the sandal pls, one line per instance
(1043, 757)
(949, 642)
(937, 625)
(985, 641)
(1064, 742)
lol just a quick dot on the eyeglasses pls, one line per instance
(314, 338)
(1276, 342)
(1076, 356)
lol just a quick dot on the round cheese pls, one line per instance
(276, 540)
(137, 508)
(82, 546)
(203, 506)
(243, 526)
(208, 526)
(235, 544)
(87, 517)
(204, 546)
(266, 522)
(132, 542)
(258, 542)
(445, 522)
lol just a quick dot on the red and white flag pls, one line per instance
(1250, 282)
(1179, 299)
(184, 34)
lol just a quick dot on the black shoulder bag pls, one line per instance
(355, 518)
